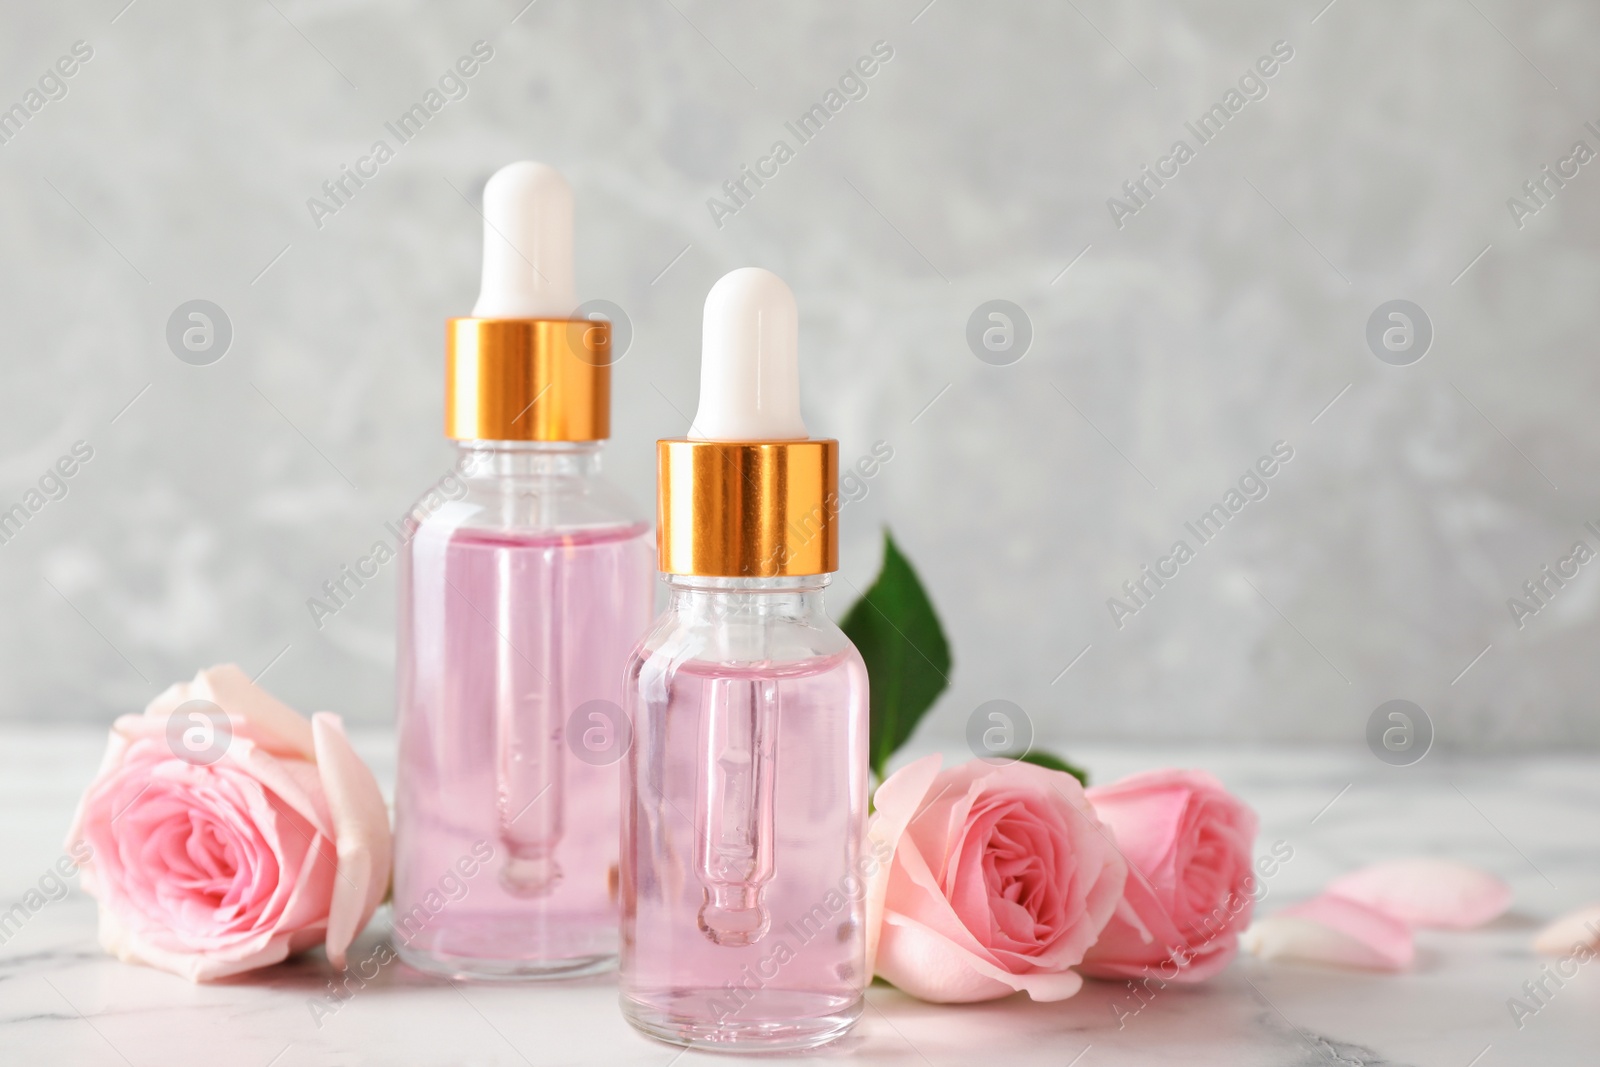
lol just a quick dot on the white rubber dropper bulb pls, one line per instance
(749, 361)
(527, 245)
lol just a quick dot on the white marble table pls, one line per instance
(1535, 821)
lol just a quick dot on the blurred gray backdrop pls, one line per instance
(1175, 334)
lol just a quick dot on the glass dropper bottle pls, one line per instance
(745, 795)
(524, 582)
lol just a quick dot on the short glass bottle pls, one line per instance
(744, 818)
(520, 596)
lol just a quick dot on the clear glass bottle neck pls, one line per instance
(793, 597)
(503, 459)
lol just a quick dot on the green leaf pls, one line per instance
(1054, 763)
(899, 637)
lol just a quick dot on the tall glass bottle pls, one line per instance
(744, 810)
(524, 583)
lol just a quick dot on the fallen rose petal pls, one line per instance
(1573, 931)
(1332, 930)
(1427, 891)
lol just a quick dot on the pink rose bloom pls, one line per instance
(219, 847)
(1000, 878)
(1190, 887)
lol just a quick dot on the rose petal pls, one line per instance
(1151, 806)
(1427, 891)
(915, 893)
(296, 782)
(1574, 930)
(930, 967)
(895, 803)
(1332, 930)
(129, 947)
(1128, 948)
(361, 827)
(278, 727)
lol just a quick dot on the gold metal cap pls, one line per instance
(747, 509)
(527, 380)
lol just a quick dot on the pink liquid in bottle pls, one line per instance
(511, 652)
(743, 817)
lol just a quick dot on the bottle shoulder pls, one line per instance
(517, 506)
(806, 643)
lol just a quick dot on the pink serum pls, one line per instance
(745, 795)
(519, 603)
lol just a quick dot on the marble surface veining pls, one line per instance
(1531, 820)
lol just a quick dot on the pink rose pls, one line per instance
(223, 845)
(1000, 878)
(1188, 842)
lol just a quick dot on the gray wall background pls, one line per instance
(1221, 318)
